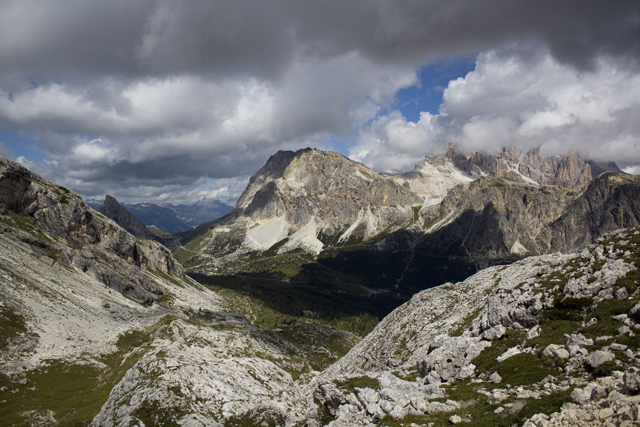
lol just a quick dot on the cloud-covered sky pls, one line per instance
(173, 101)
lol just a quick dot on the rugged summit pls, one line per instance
(297, 198)
(115, 211)
(569, 171)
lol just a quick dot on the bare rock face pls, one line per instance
(569, 171)
(611, 201)
(47, 215)
(310, 183)
(494, 218)
(497, 218)
(115, 211)
(296, 197)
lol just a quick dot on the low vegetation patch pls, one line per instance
(73, 391)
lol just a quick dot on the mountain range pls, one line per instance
(318, 217)
(510, 281)
(171, 218)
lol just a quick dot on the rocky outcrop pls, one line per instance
(115, 211)
(46, 215)
(203, 376)
(480, 336)
(531, 168)
(611, 201)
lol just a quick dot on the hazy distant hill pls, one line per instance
(172, 218)
(164, 218)
(200, 212)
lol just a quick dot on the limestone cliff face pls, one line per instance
(42, 213)
(295, 198)
(315, 184)
(611, 201)
(115, 211)
(568, 171)
(497, 218)
(494, 218)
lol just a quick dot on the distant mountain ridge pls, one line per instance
(476, 209)
(163, 218)
(115, 211)
(172, 218)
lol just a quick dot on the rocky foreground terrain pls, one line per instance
(547, 341)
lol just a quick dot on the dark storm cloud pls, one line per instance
(159, 93)
(260, 38)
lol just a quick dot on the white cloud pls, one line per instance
(175, 92)
(391, 142)
(509, 99)
(519, 96)
(633, 170)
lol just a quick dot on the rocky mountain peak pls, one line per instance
(115, 211)
(273, 169)
(531, 168)
(318, 184)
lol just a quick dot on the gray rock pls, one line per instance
(631, 382)
(634, 313)
(449, 355)
(599, 357)
(622, 293)
(495, 378)
(555, 351)
(579, 340)
(618, 347)
(455, 419)
(494, 333)
(534, 332)
(580, 396)
(598, 393)
(330, 396)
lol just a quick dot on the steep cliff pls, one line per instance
(568, 171)
(44, 214)
(611, 201)
(498, 218)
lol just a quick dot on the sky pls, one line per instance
(168, 101)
